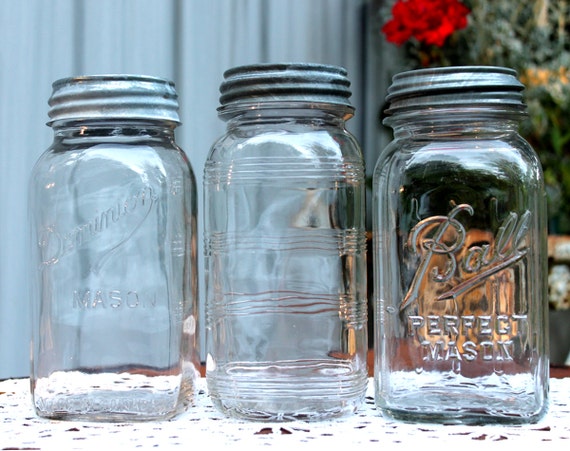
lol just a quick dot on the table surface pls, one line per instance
(202, 425)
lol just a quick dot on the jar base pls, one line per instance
(473, 417)
(266, 412)
(287, 391)
(111, 397)
(448, 405)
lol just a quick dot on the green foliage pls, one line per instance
(532, 37)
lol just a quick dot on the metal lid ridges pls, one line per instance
(113, 97)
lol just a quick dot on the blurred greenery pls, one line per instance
(532, 37)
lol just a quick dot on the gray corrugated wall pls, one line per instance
(189, 41)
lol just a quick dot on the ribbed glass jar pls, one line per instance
(113, 212)
(460, 253)
(285, 248)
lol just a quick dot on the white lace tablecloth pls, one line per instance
(204, 427)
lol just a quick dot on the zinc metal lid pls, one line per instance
(113, 97)
(450, 86)
(277, 82)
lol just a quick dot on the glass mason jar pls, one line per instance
(285, 247)
(459, 232)
(113, 215)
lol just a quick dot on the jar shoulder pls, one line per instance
(110, 164)
(498, 157)
(286, 142)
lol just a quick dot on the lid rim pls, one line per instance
(454, 85)
(275, 82)
(113, 97)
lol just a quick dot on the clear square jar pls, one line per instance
(113, 213)
(459, 232)
(285, 247)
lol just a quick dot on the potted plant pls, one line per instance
(532, 37)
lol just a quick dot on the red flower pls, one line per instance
(429, 21)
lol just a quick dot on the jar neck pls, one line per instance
(115, 131)
(310, 114)
(455, 123)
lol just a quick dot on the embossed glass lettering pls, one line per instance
(460, 301)
(112, 299)
(128, 214)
